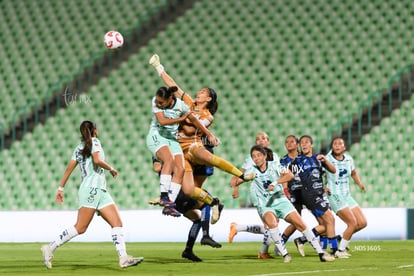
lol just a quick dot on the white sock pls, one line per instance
(119, 241)
(165, 183)
(174, 191)
(63, 238)
(276, 237)
(313, 240)
(255, 228)
(343, 245)
(267, 240)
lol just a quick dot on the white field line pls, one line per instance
(405, 266)
(314, 271)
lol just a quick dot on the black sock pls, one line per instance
(205, 220)
(303, 239)
(284, 238)
(192, 235)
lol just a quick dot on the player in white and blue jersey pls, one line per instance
(311, 168)
(93, 196)
(339, 194)
(267, 195)
(294, 192)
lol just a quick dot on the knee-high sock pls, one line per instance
(316, 233)
(165, 183)
(267, 240)
(63, 238)
(275, 235)
(324, 242)
(202, 195)
(251, 228)
(256, 229)
(313, 240)
(225, 166)
(174, 191)
(205, 220)
(333, 244)
(343, 244)
(119, 241)
(192, 235)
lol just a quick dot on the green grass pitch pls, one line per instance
(239, 258)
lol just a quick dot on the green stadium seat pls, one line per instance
(292, 68)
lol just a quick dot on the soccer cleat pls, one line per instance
(326, 257)
(248, 177)
(342, 254)
(264, 256)
(189, 254)
(47, 255)
(287, 258)
(154, 201)
(166, 202)
(128, 261)
(300, 246)
(170, 211)
(233, 231)
(216, 212)
(207, 240)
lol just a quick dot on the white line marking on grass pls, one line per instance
(405, 266)
(314, 271)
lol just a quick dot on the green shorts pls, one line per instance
(155, 141)
(280, 207)
(339, 202)
(94, 198)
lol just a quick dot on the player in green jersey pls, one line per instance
(267, 195)
(339, 194)
(93, 196)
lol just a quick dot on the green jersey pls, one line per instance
(259, 194)
(168, 131)
(92, 175)
(338, 183)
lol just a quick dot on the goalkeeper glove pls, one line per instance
(155, 62)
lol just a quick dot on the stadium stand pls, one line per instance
(288, 67)
(61, 36)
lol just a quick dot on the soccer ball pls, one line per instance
(113, 40)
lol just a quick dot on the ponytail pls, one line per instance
(212, 106)
(86, 129)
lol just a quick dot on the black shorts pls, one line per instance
(184, 203)
(204, 169)
(317, 203)
(296, 199)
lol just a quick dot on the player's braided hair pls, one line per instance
(86, 129)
